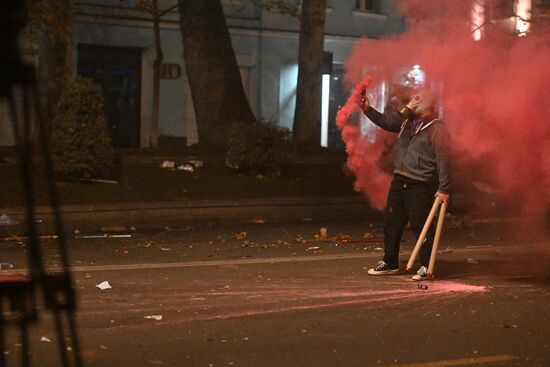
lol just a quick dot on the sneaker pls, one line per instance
(382, 269)
(421, 274)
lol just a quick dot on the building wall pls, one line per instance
(265, 43)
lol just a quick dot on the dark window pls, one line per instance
(373, 6)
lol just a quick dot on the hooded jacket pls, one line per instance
(422, 156)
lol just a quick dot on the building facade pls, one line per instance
(115, 46)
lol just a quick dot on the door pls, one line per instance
(118, 71)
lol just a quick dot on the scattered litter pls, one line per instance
(45, 340)
(104, 285)
(422, 286)
(471, 260)
(168, 164)
(307, 219)
(343, 236)
(153, 317)
(313, 248)
(509, 326)
(378, 249)
(87, 236)
(6, 266)
(119, 236)
(187, 168)
(240, 236)
(447, 250)
(368, 235)
(98, 180)
(259, 221)
(197, 163)
(7, 221)
(165, 249)
(480, 246)
(102, 347)
(322, 235)
(365, 240)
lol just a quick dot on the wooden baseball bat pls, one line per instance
(437, 238)
(423, 234)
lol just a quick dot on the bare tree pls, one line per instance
(152, 8)
(306, 127)
(214, 78)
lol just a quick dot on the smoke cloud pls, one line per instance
(494, 94)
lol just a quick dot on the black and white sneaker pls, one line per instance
(421, 274)
(383, 269)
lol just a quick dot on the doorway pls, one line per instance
(118, 71)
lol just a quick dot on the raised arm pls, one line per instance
(390, 121)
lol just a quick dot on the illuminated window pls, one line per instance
(372, 6)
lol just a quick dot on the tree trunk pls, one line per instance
(214, 78)
(55, 57)
(156, 76)
(306, 128)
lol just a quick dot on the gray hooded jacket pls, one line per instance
(423, 156)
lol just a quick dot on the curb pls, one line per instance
(205, 212)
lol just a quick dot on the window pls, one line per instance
(371, 6)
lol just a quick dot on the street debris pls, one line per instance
(168, 164)
(378, 249)
(480, 246)
(187, 168)
(259, 221)
(343, 236)
(422, 286)
(313, 248)
(322, 235)
(6, 266)
(99, 180)
(471, 260)
(240, 236)
(104, 285)
(7, 221)
(509, 326)
(153, 317)
(197, 163)
(447, 250)
(45, 340)
(368, 235)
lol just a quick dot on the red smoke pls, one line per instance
(494, 93)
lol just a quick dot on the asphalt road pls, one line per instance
(280, 297)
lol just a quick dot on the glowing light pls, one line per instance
(478, 17)
(324, 109)
(523, 13)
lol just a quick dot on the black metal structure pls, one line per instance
(21, 292)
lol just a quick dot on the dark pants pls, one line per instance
(408, 200)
